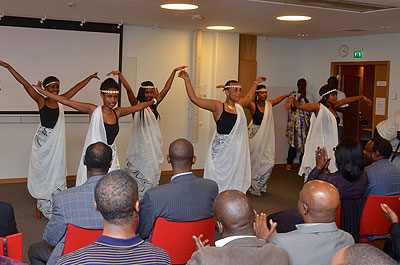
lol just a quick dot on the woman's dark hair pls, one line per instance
(230, 82)
(109, 83)
(322, 91)
(350, 159)
(142, 98)
(49, 79)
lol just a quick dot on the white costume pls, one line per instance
(228, 158)
(47, 167)
(96, 133)
(388, 128)
(323, 132)
(262, 151)
(144, 155)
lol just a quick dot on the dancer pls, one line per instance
(323, 129)
(103, 125)
(144, 154)
(228, 158)
(262, 139)
(47, 166)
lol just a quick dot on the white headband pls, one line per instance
(110, 91)
(148, 86)
(233, 86)
(261, 89)
(328, 92)
(54, 82)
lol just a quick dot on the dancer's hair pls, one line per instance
(142, 98)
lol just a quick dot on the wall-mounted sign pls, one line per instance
(358, 54)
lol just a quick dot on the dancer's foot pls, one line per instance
(288, 167)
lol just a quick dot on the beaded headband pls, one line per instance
(148, 86)
(54, 82)
(233, 86)
(328, 92)
(110, 91)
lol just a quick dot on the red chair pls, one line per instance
(13, 246)
(373, 221)
(176, 237)
(78, 237)
(338, 215)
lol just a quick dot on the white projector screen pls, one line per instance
(69, 55)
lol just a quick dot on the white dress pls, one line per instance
(228, 157)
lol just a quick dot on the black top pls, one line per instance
(48, 116)
(258, 116)
(112, 130)
(226, 121)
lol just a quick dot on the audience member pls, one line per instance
(186, 198)
(383, 176)
(392, 245)
(117, 199)
(334, 82)
(235, 218)
(7, 220)
(73, 206)
(8, 261)
(389, 129)
(318, 239)
(361, 254)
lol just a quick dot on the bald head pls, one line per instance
(181, 155)
(318, 202)
(234, 213)
(361, 254)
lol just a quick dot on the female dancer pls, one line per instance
(323, 129)
(47, 167)
(144, 155)
(262, 139)
(103, 119)
(228, 158)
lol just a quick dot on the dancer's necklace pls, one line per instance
(232, 108)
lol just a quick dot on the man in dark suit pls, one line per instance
(7, 220)
(185, 198)
(73, 206)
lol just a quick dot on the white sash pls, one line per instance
(47, 167)
(262, 145)
(231, 167)
(96, 133)
(145, 146)
(323, 132)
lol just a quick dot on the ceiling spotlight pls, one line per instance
(120, 24)
(293, 18)
(2, 14)
(43, 18)
(221, 27)
(385, 27)
(303, 35)
(71, 4)
(179, 6)
(83, 21)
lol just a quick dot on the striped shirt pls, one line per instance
(108, 250)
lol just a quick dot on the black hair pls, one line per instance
(365, 254)
(108, 84)
(49, 79)
(98, 156)
(350, 159)
(334, 79)
(229, 83)
(141, 97)
(323, 90)
(383, 146)
(116, 195)
(302, 80)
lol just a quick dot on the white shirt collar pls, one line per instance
(222, 242)
(180, 174)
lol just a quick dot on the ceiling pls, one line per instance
(247, 16)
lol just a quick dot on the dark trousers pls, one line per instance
(340, 133)
(39, 253)
(292, 154)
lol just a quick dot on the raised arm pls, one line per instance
(131, 96)
(278, 100)
(31, 91)
(80, 106)
(252, 91)
(349, 100)
(168, 84)
(123, 111)
(75, 89)
(310, 107)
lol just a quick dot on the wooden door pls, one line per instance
(351, 120)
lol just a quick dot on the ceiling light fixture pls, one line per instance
(179, 6)
(83, 21)
(303, 35)
(43, 18)
(2, 14)
(293, 18)
(120, 24)
(71, 4)
(385, 27)
(220, 27)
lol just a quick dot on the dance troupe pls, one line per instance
(240, 157)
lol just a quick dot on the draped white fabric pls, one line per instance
(96, 133)
(262, 145)
(323, 132)
(47, 167)
(230, 168)
(145, 146)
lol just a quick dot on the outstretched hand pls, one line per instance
(156, 94)
(180, 68)
(184, 75)
(95, 75)
(321, 158)
(367, 100)
(261, 79)
(39, 87)
(261, 229)
(113, 73)
(389, 213)
(198, 243)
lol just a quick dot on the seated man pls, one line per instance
(392, 245)
(117, 199)
(73, 206)
(7, 220)
(362, 254)
(235, 219)
(186, 198)
(318, 239)
(383, 176)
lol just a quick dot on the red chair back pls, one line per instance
(14, 246)
(338, 215)
(176, 237)
(373, 221)
(78, 237)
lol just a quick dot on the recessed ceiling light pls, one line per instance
(293, 18)
(385, 27)
(221, 27)
(179, 6)
(71, 4)
(303, 35)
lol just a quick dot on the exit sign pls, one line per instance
(358, 54)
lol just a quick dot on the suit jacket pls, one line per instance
(73, 206)
(185, 198)
(313, 243)
(7, 220)
(250, 251)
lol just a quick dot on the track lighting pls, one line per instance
(43, 18)
(83, 21)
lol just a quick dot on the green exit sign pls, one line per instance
(358, 54)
